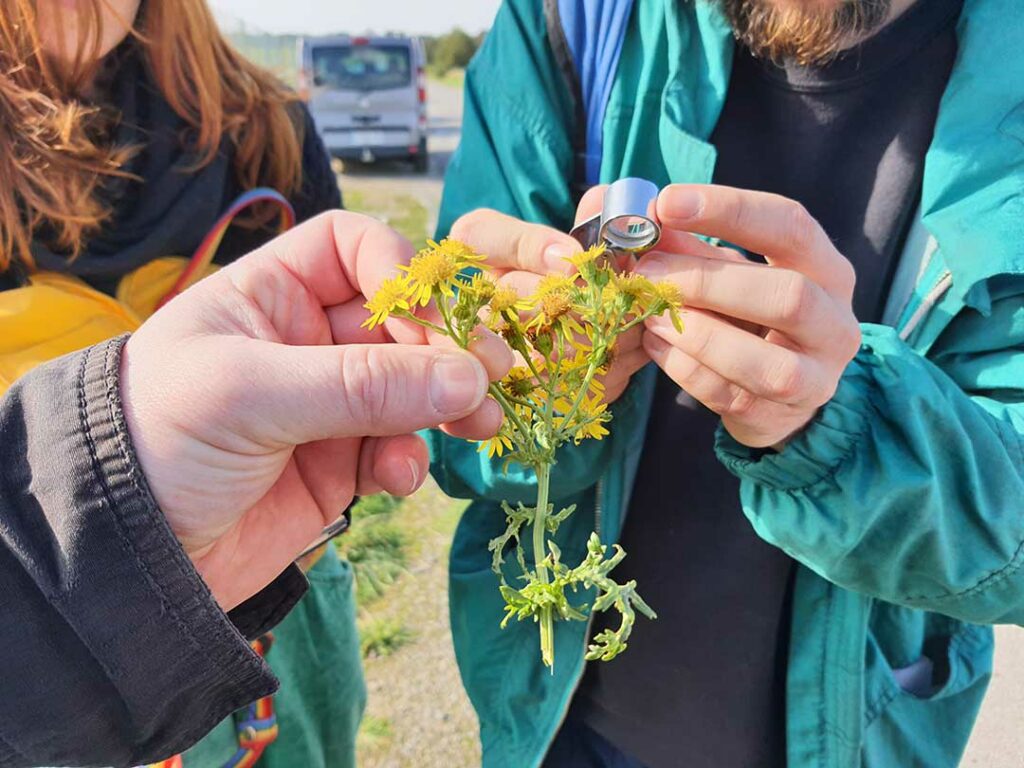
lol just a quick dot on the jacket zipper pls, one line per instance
(599, 494)
(942, 284)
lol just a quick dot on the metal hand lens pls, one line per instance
(624, 225)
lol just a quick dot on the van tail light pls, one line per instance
(421, 82)
(304, 84)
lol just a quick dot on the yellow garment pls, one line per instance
(56, 314)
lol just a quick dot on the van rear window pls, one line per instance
(362, 67)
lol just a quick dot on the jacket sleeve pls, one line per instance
(909, 485)
(114, 651)
(515, 156)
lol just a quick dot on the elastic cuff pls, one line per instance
(818, 451)
(265, 610)
(189, 649)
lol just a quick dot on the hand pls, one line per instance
(520, 254)
(764, 345)
(258, 406)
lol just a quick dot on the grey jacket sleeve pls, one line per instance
(112, 650)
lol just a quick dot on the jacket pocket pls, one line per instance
(920, 711)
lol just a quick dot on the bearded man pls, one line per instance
(819, 484)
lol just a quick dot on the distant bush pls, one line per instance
(451, 51)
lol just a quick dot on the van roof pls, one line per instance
(356, 39)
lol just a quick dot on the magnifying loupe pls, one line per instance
(625, 224)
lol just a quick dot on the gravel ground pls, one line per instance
(418, 715)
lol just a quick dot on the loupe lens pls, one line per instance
(625, 221)
(630, 233)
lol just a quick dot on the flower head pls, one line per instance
(550, 284)
(436, 267)
(392, 295)
(584, 259)
(505, 299)
(479, 286)
(519, 382)
(587, 421)
(670, 299)
(460, 252)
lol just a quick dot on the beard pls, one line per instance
(806, 31)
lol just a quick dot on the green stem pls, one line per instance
(540, 551)
(584, 388)
(420, 321)
(506, 406)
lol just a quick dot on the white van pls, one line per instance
(368, 96)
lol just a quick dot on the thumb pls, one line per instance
(356, 390)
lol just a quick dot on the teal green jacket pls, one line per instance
(902, 502)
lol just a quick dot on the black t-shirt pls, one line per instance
(704, 685)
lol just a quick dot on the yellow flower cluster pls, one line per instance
(564, 336)
(431, 273)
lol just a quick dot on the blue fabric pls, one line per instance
(595, 30)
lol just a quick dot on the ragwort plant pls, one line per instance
(564, 336)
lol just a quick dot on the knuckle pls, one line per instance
(800, 228)
(741, 403)
(366, 384)
(851, 339)
(788, 379)
(796, 299)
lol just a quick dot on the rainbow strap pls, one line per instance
(203, 256)
(256, 725)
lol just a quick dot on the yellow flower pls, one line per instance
(392, 295)
(505, 299)
(519, 382)
(480, 286)
(554, 300)
(669, 293)
(436, 267)
(588, 421)
(460, 252)
(496, 446)
(582, 259)
(634, 285)
(550, 284)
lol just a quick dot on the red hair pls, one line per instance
(53, 160)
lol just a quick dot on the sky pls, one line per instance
(356, 16)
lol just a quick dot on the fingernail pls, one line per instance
(682, 202)
(556, 255)
(414, 471)
(457, 384)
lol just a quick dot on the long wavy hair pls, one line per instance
(55, 150)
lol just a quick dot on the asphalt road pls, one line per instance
(998, 739)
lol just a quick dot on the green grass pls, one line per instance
(400, 212)
(375, 546)
(382, 637)
(378, 504)
(453, 78)
(374, 732)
